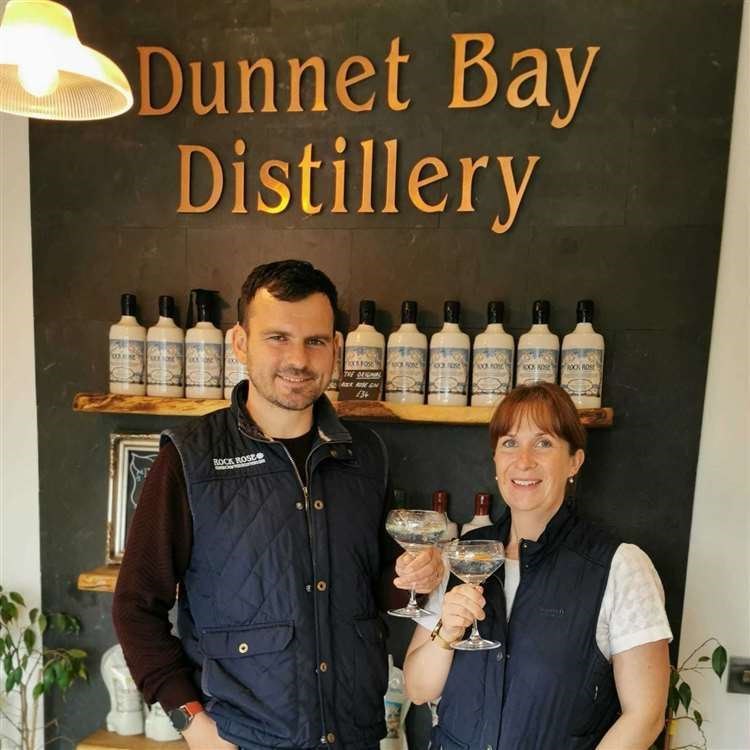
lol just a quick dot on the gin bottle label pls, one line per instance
(537, 366)
(406, 369)
(581, 372)
(166, 360)
(203, 364)
(364, 358)
(492, 372)
(234, 370)
(126, 359)
(449, 370)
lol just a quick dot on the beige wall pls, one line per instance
(19, 480)
(717, 596)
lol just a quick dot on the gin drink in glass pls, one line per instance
(474, 561)
(415, 531)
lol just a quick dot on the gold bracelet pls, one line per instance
(438, 639)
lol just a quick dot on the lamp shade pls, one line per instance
(46, 72)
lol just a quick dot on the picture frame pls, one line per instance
(131, 456)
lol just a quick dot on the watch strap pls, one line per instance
(438, 639)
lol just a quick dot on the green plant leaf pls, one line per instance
(48, 677)
(42, 623)
(2, 647)
(29, 639)
(8, 663)
(674, 677)
(32, 615)
(10, 681)
(686, 695)
(673, 701)
(57, 621)
(17, 598)
(38, 690)
(698, 718)
(77, 653)
(703, 658)
(719, 660)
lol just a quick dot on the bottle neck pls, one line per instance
(451, 327)
(539, 328)
(128, 320)
(494, 328)
(365, 327)
(166, 322)
(584, 327)
(408, 327)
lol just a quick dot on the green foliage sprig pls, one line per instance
(680, 696)
(26, 662)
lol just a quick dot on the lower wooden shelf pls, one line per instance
(103, 578)
(377, 411)
(104, 740)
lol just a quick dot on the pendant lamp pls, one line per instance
(46, 72)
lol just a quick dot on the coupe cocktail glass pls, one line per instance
(474, 561)
(415, 531)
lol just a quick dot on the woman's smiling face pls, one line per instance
(533, 467)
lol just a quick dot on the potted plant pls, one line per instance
(680, 697)
(29, 669)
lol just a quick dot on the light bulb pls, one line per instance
(39, 77)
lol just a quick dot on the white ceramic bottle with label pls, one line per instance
(538, 349)
(365, 346)
(492, 368)
(582, 365)
(203, 353)
(127, 351)
(481, 517)
(234, 370)
(406, 360)
(449, 361)
(332, 391)
(165, 354)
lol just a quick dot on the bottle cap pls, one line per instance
(482, 502)
(367, 312)
(495, 312)
(203, 302)
(452, 311)
(540, 312)
(127, 304)
(440, 501)
(408, 311)
(585, 311)
(166, 306)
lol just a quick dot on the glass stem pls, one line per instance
(412, 598)
(475, 632)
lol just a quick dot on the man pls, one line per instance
(269, 516)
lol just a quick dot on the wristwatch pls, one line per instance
(438, 639)
(182, 716)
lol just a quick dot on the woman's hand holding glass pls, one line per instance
(462, 605)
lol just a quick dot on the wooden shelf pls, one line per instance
(103, 578)
(377, 411)
(104, 740)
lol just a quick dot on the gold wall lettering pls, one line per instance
(356, 90)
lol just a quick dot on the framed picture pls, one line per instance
(130, 458)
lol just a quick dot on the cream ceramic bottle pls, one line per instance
(492, 368)
(203, 353)
(127, 351)
(332, 391)
(583, 359)
(406, 360)
(365, 347)
(165, 354)
(449, 361)
(481, 517)
(234, 370)
(538, 349)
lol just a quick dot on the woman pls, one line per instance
(583, 661)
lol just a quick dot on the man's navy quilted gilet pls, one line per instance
(278, 609)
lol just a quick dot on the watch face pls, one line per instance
(180, 719)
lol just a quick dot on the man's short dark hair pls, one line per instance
(288, 281)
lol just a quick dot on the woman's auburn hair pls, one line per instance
(547, 405)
